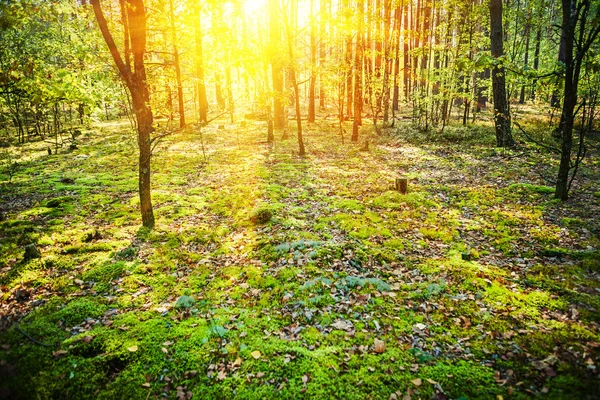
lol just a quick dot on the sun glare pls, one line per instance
(253, 6)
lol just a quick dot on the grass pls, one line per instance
(271, 276)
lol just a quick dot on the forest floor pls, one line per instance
(269, 275)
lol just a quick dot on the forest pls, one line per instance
(353, 199)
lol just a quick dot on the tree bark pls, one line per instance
(358, 76)
(292, 75)
(276, 67)
(138, 87)
(201, 88)
(177, 66)
(501, 113)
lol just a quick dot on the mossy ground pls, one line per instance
(479, 283)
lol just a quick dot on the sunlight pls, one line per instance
(252, 6)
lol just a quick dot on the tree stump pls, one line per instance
(31, 252)
(402, 185)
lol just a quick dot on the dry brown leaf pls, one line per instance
(379, 346)
(59, 353)
(255, 354)
(417, 381)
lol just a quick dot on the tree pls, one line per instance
(276, 65)
(579, 30)
(134, 12)
(201, 88)
(292, 73)
(501, 112)
(177, 66)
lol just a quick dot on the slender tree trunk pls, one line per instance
(349, 74)
(322, 28)
(138, 87)
(276, 65)
(292, 75)
(201, 88)
(536, 56)
(575, 12)
(526, 57)
(398, 21)
(501, 113)
(358, 75)
(313, 66)
(177, 67)
(406, 36)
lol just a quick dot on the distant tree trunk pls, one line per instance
(228, 85)
(219, 92)
(349, 74)
(387, 52)
(138, 87)
(406, 37)
(396, 95)
(526, 57)
(313, 66)
(536, 56)
(501, 113)
(322, 53)
(276, 67)
(292, 75)
(358, 75)
(177, 67)
(202, 102)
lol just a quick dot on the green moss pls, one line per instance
(395, 201)
(76, 311)
(532, 188)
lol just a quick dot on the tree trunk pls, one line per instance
(358, 76)
(574, 13)
(501, 113)
(276, 67)
(201, 89)
(526, 57)
(313, 66)
(177, 67)
(138, 87)
(292, 75)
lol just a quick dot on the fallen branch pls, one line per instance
(552, 149)
(18, 328)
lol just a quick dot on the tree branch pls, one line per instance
(110, 42)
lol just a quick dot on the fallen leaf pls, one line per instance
(379, 346)
(305, 379)
(431, 381)
(237, 362)
(87, 339)
(164, 350)
(221, 375)
(420, 326)
(417, 382)
(256, 354)
(133, 348)
(146, 385)
(342, 325)
(59, 353)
